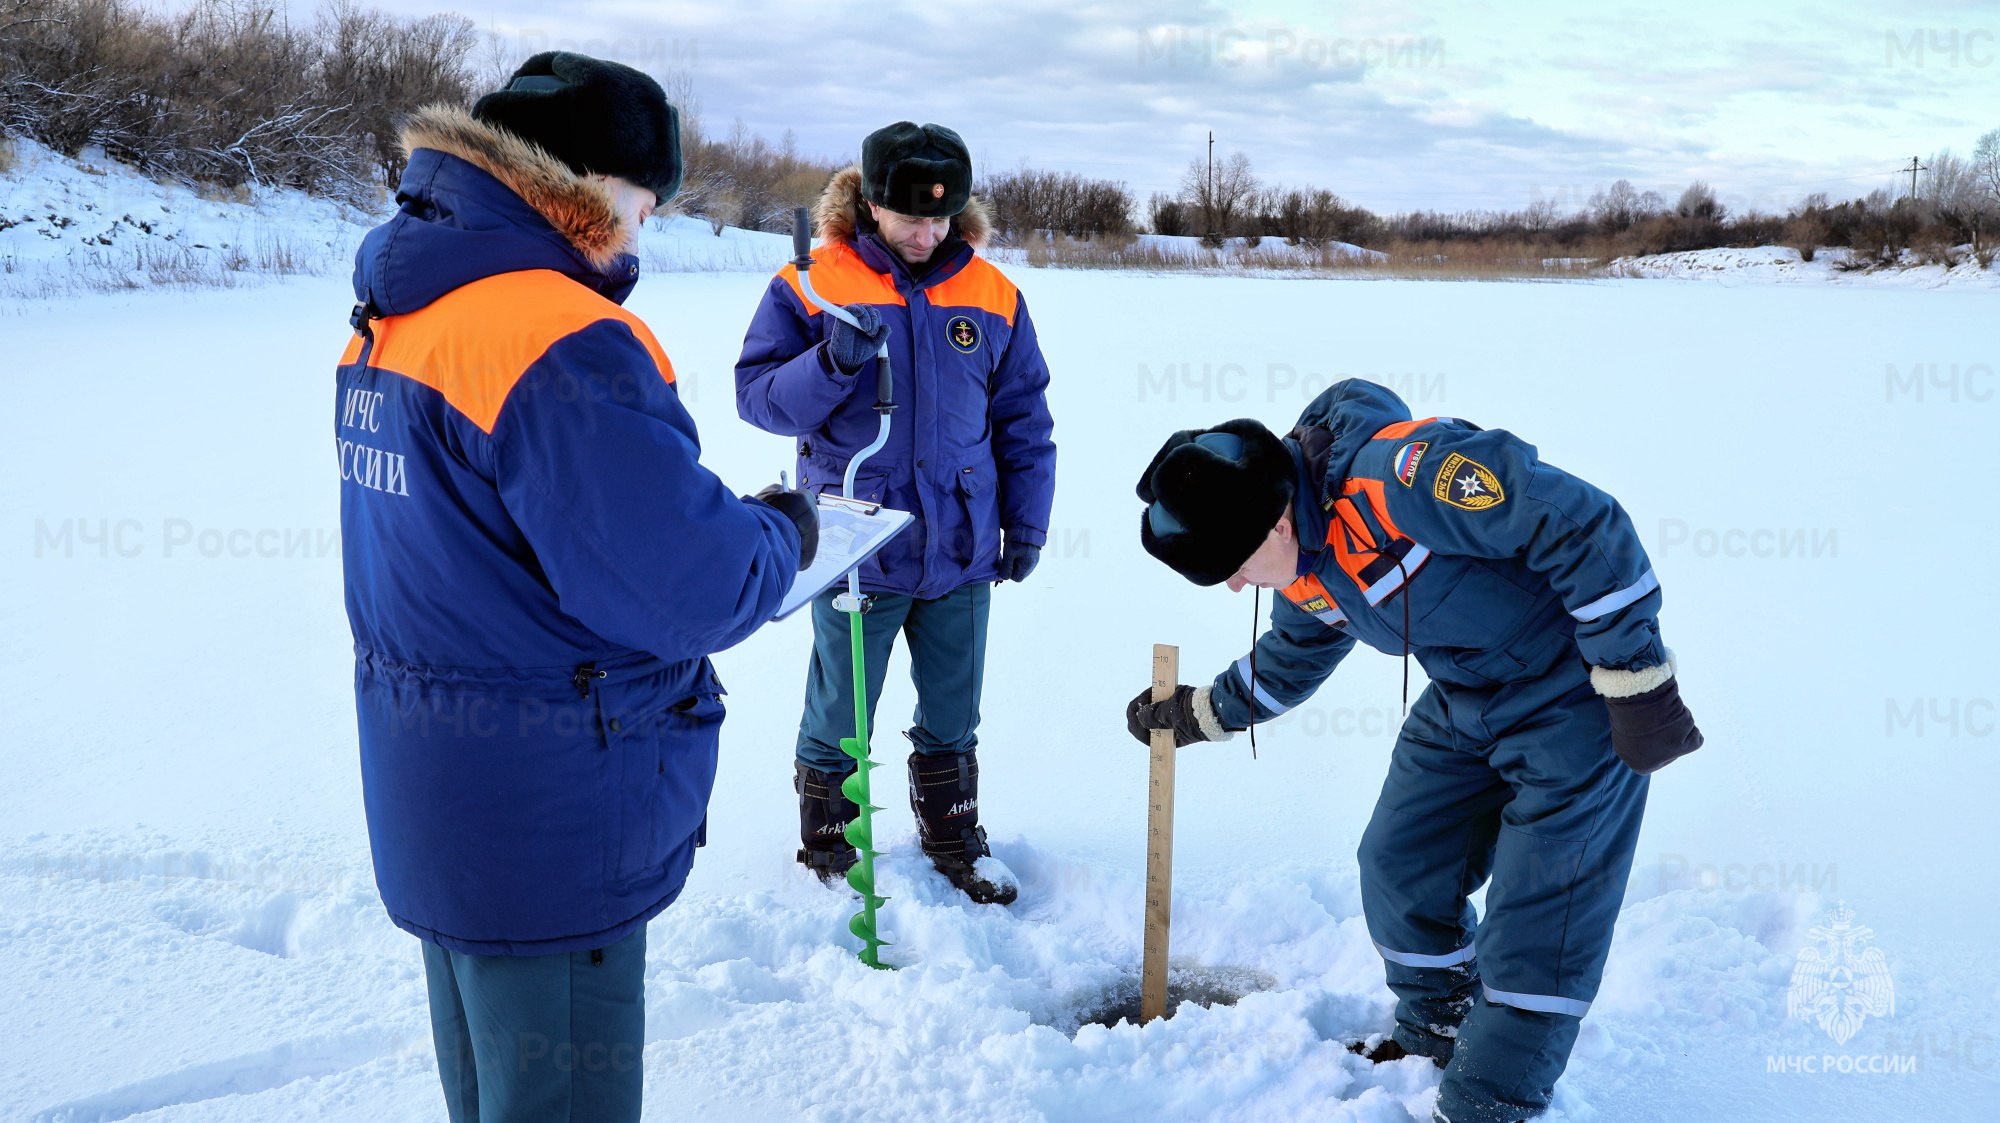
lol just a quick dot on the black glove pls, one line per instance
(803, 510)
(1650, 731)
(1017, 559)
(848, 347)
(1143, 715)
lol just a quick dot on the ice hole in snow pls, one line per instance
(1118, 1000)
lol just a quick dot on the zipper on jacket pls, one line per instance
(582, 679)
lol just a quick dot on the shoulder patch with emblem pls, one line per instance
(1467, 483)
(1407, 459)
(963, 334)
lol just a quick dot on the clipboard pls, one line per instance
(850, 532)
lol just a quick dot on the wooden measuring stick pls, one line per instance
(1159, 843)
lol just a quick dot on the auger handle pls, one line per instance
(802, 238)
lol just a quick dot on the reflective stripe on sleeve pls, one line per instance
(1412, 959)
(1393, 580)
(1539, 1003)
(1612, 602)
(1257, 692)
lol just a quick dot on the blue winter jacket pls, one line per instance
(970, 450)
(1491, 565)
(537, 564)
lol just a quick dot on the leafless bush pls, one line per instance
(1807, 226)
(229, 91)
(746, 181)
(1026, 200)
(1167, 215)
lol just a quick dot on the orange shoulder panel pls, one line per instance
(1378, 501)
(1302, 591)
(839, 275)
(1401, 429)
(474, 343)
(978, 285)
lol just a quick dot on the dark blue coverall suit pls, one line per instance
(1507, 579)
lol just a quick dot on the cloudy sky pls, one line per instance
(1394, 104)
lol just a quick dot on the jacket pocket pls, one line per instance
(829, 477)
(1480, 610)
(975, 542)
(1477, 621)
(667, 772)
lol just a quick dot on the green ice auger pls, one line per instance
(861, 829)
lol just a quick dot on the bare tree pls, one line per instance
(1699, 204)
(1541, 216)
(1986, 164)
(1621, 206)
(1218, 198)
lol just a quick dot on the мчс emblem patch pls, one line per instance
(1468, 484)
(1407, 459)
(963, 333)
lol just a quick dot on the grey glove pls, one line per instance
(848, 347)
(803, 510)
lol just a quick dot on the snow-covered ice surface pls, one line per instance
(188, 924)
(1736, 265)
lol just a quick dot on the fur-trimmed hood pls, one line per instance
(581, 211)
(840, 211)
(477, 201)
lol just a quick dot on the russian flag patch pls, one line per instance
(1407, 459)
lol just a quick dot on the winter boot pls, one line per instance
(944, 792)
(1386, 1051)
(824, 811)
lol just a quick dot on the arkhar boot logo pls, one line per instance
(1841, 983)
(1467, 483)
(962, 807)
(831, 828)
(963, 333)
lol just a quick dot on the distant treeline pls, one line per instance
(235, 91)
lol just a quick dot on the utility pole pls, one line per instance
(1208, 197)
(1913, 169)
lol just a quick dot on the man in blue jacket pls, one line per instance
(537, 568)
(1526, 596)
(970, 453)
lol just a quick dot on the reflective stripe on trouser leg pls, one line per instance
(1562, 858)
(1506, 1064)
(1560, 864)
(1427, 846)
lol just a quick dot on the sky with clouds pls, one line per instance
(1394, 104)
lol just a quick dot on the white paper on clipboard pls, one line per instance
(849, 533)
